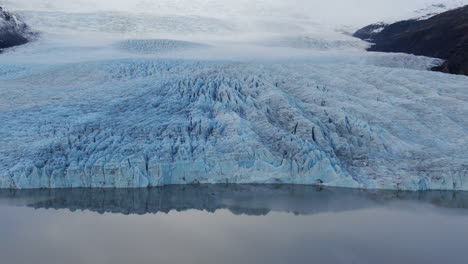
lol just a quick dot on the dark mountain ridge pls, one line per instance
(443, 36)
(13, 31)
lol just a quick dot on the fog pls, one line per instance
(357, 12)
(77, 30)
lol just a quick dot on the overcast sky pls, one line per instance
(339, 11)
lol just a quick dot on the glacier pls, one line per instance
(126, 112)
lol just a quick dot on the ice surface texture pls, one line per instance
(150, 122)
(78, 110)
(149, 46)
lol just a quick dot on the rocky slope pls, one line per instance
(443, 36)
(13, 31)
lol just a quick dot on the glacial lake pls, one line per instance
(232, 224)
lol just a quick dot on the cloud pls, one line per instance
(329, 11)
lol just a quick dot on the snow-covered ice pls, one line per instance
(148, 46)
(126, 112)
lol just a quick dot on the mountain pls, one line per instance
(433, 9)
(13, 31)
(443, 36)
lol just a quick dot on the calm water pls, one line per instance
(232, 224)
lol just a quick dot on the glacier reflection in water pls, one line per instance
(238, 199)
(232, 224)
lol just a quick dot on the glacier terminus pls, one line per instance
(171, 108)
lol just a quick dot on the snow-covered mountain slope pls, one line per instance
(429, 10)
(434, 8)
(13, 31)
(78, 109)
(442, 36)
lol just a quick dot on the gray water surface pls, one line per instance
(232, 224)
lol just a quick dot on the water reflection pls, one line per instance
(238, 199)
(232, 224)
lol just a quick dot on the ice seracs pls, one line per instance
(139, 123)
